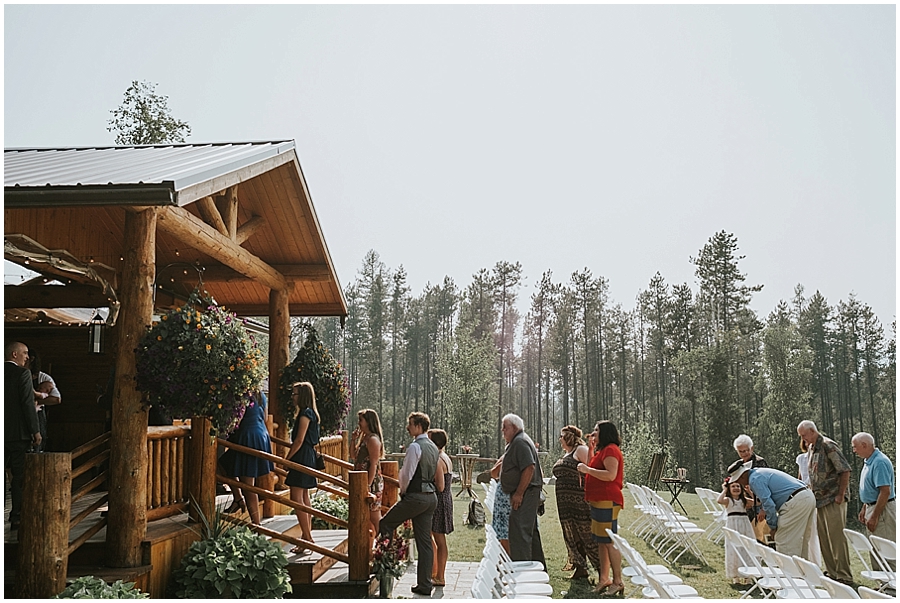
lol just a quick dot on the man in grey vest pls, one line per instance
(521, 478)
(417, 497)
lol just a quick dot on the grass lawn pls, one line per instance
(466, 544)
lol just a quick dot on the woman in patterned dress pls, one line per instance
(367, 448)
(303, 452)
(442, 524)
(574, 512)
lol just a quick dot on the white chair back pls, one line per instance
(868, 593)
(836, 589)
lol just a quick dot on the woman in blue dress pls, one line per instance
(251, 433)
(304, 439)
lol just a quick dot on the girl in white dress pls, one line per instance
(736, 504)
(815, 552)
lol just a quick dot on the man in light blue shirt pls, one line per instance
(876, 488)
(788, 506)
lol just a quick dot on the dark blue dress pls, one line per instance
(306, 455)
(251, 433)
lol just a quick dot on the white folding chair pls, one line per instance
(641, 569)
(794, 586)
(766, 577)
(868, 593)
(836, 589)
(749, 568)
(887, 550)
(505, 587)
(684, 534)
(716, 512)
(667, 591)
(883, 575)
(510, 573)
(516, 565)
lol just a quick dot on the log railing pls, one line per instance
(357, 556)
(44, 547)
(167, 453)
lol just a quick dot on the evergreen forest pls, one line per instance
(684, 370)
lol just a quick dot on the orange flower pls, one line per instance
(208, 347)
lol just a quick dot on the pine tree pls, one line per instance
(144, 118)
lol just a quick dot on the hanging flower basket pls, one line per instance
(314, 363)
(199, 360)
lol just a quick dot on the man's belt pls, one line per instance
(873, 502)
(795, 492)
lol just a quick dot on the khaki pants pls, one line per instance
(831, 521)
(795, 522)
(887, 526)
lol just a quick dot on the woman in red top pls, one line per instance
(603, 491)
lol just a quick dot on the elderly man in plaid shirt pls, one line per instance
(829, 476)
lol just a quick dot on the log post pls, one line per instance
(128, 444)
(358, 527)
(202, 469)
(279, 350)
(44, 534)
(391, 490)
(345, 452)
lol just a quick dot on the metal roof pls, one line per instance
(153, 172)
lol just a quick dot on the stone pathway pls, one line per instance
(459, 575)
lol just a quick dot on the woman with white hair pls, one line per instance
(743, 445)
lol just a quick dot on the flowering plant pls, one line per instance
(389, 556)
(199, 362)
(467, 449)
(314, 363)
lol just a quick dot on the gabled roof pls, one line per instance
(234, 209)
(152, 174)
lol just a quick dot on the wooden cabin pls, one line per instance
(133, 230)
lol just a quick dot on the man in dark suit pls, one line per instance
(21, 430)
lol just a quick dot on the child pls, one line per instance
(736, 504)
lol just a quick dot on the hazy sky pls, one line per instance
(447, 138)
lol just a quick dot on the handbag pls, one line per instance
(320, 461)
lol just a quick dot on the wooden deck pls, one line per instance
(166, 541)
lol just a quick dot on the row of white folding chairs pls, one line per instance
(881, 551)
(665, 530)
(499, 577)
(489, 492)
(654, 581)
(784, 576)
(716, 512)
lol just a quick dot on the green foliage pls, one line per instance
(327, 503)
(314, 363)
(238, 564)
(91, 587)
(638, 447)
(467, 375)
(200, 362)
(144, 118)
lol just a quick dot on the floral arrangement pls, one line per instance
(199, 360)
(467, 449)
(390, 556)
(314, 363)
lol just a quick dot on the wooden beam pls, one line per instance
(311, 273)
(248, 228)
(295, 309)
(195, 233)
(53, 296)
(210, 213)
(230, 211)
(128, 446)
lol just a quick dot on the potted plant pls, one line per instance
(389, 562)
(92, 587)
(199, 360)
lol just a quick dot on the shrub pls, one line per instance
(339, 507)
(238, 564)
(314, 363)
(91, 587)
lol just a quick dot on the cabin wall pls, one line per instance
(79, 375)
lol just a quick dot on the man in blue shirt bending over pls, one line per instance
(788, 506)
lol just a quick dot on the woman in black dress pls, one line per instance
(442, 523)
(574, 512)
(251, 433)
(304, 439)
